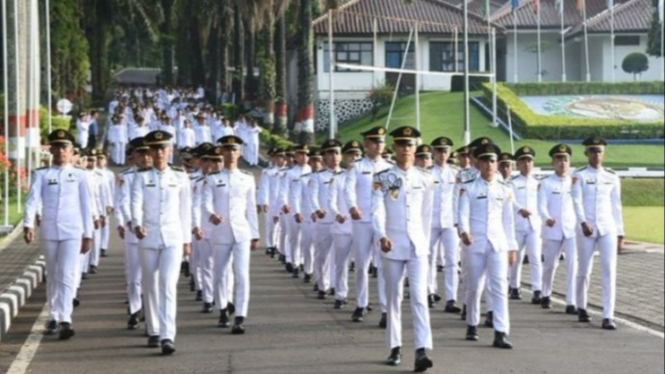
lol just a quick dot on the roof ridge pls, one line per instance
(507, 8)
(472, 14)
(325, 15)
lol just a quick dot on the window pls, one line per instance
(444, 57)
(349, 53)
(395, 55)
(627, 40)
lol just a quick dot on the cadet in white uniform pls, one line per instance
(402, 200)
(208, 163)
(597, 197)
(488, 231)
(315, 161)
(263, 200)
(290, 200)
(229, 203)
(60, 195)
(109, 176)
(444, 233)
(527, 226)
(161, 216)
(140, 159)
(358, 195)
(274, 181)
(506, 166)
(557, 212)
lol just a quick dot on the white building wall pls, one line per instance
(527, 60)
(620, 52)
(596, 57)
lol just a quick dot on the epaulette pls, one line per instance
(382, 172)
(515, 177)
(470, 181)
(391, 162)
(427, 171)
(246, 172)
(610, 170)
(199, 179)
(583, 168)
(340, 172)
(209, 174)
(358, 160)
(321, 171)
(141, 170)
(127, 171)
(177, 168)
(504, 183)
(306, 175)
(42, 168)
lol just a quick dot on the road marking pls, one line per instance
(32, 342)
(623, 321)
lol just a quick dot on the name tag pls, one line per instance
(326, 182)
(436, 182)
(499, 199)
(556, 193)
(521, 188)
(482, 197)
(52, 182)
(221, 185)
(417, 187)
(151, 185)
(367, 172)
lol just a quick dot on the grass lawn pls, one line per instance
(441, 113)
(14, 216)
(645, 223)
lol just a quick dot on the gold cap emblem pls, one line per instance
(231, 141)
(527, 149)
(159, 136)
(408, 131)
(484, 141)
(218, 151)
(382, 131)
(562, 148)
(60, 134)
(354, 144)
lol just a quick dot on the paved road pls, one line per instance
(289, 331)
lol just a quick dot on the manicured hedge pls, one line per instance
(535, 126)
(269, 140)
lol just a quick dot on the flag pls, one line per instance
(661, 11)
(486, 9)
(581, 6)
(559, 6)
(536, 4)
(516, 4)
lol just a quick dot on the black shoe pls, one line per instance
(609, 324)
(192, 285)
(322, 295)
(316, 287)
(273, 252)
(207, 308)
(168, 348)
(307, 278)
(104, 253)
(51, 328)
(282, 259)
(231, 308)
(289, 268)
(133, 322)
(332, 292)
(463, 314)
(268, 251)
(437, 298)
(352, 267)
(375, 273)
(451, 307)
(153, 341)
(515, 294)
(472, 334)
(185, 269)
(371, 270)
(489, 320)
(93, 269)
(546, 303)
(223, 319)
(84, 276)
(422, 361)
(537, 298)
(339, 304)
(238, 327)
(358, 315)
(384, 321)
(296, 273)
(570, 309)
(430, 301)
(439, 269)
(583, 316)
(526, 260)
(395, 358)
(66, 331)
(500, 341)
(199, 295)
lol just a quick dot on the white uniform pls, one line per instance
(109, 177)
(358, 194)
(161, 204)
(282, 226)
(290, 195)
(527, 231)
(252, 144)
(263, 194)
(320, 201)
(308, 226)
(195, 178)
(597, 198)
(231, 195)
(444, 231)
(123, 218)
(486, 214)
(342, 234)
(402, 203)
(555, 201)
(205, 258)
(61, 195)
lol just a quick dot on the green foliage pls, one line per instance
(380, 96)
(644, 224)
(57, 123)
(69, 49)
(270, 140)
(635, 63)
(535, 126)
(653, 41)
(586, 88)
(643, 192)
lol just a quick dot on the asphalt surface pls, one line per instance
(289, 331)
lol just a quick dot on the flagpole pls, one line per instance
(612, 40)
(467, 127)
(456, 49)
(515, 73)
(331, 63)
(563, 41)
(494, 98)
(586, 42)
(540, 62)
(662, 45)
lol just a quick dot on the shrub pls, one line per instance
(58, 123)
(381, 96)
(635, 63)
(271, 140)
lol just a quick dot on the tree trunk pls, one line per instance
(280, 74)
(252, 86)
(239, 57)
(198, 72)
(166, 40)
(225, 40)
(268, 72)
(213, 61)
(305, 117)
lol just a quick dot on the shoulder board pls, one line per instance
(358, 160)
(42, 168)
(306, 175)
(391, 162)
(245, 172)
(471, 181)
(209, 174)
(178, 168)
(128, 171)
(321, 171)
(514, 177)
(424, 170)
(504, 183)
(583, 168)
(340, 172)
(80, 168)
(143, 170)
(610, 170)
(382, 172)
(199, 179)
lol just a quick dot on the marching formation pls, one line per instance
(402, 217)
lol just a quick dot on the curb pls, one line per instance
(16, 295)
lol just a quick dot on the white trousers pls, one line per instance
(530, 243)
(324, 243)
(233, 258)
(464, 259)
(284, 240)
(62, 265)
(552, 251)
(607, 246)
(394, 273)
(308, 229)
(93, 259)
(494, 266)
(194, 263)
(252, 153)
(364, 248)
(104, 231)
(268, 231)
(448, 239)
(133, 276)
(294, 254)
(342, 251)
(119, 153)
(206, 263)
(161, 270)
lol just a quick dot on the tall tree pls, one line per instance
(238, 56)
(304, 128)
(97, 26)
(653, 43)
(281, 110)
